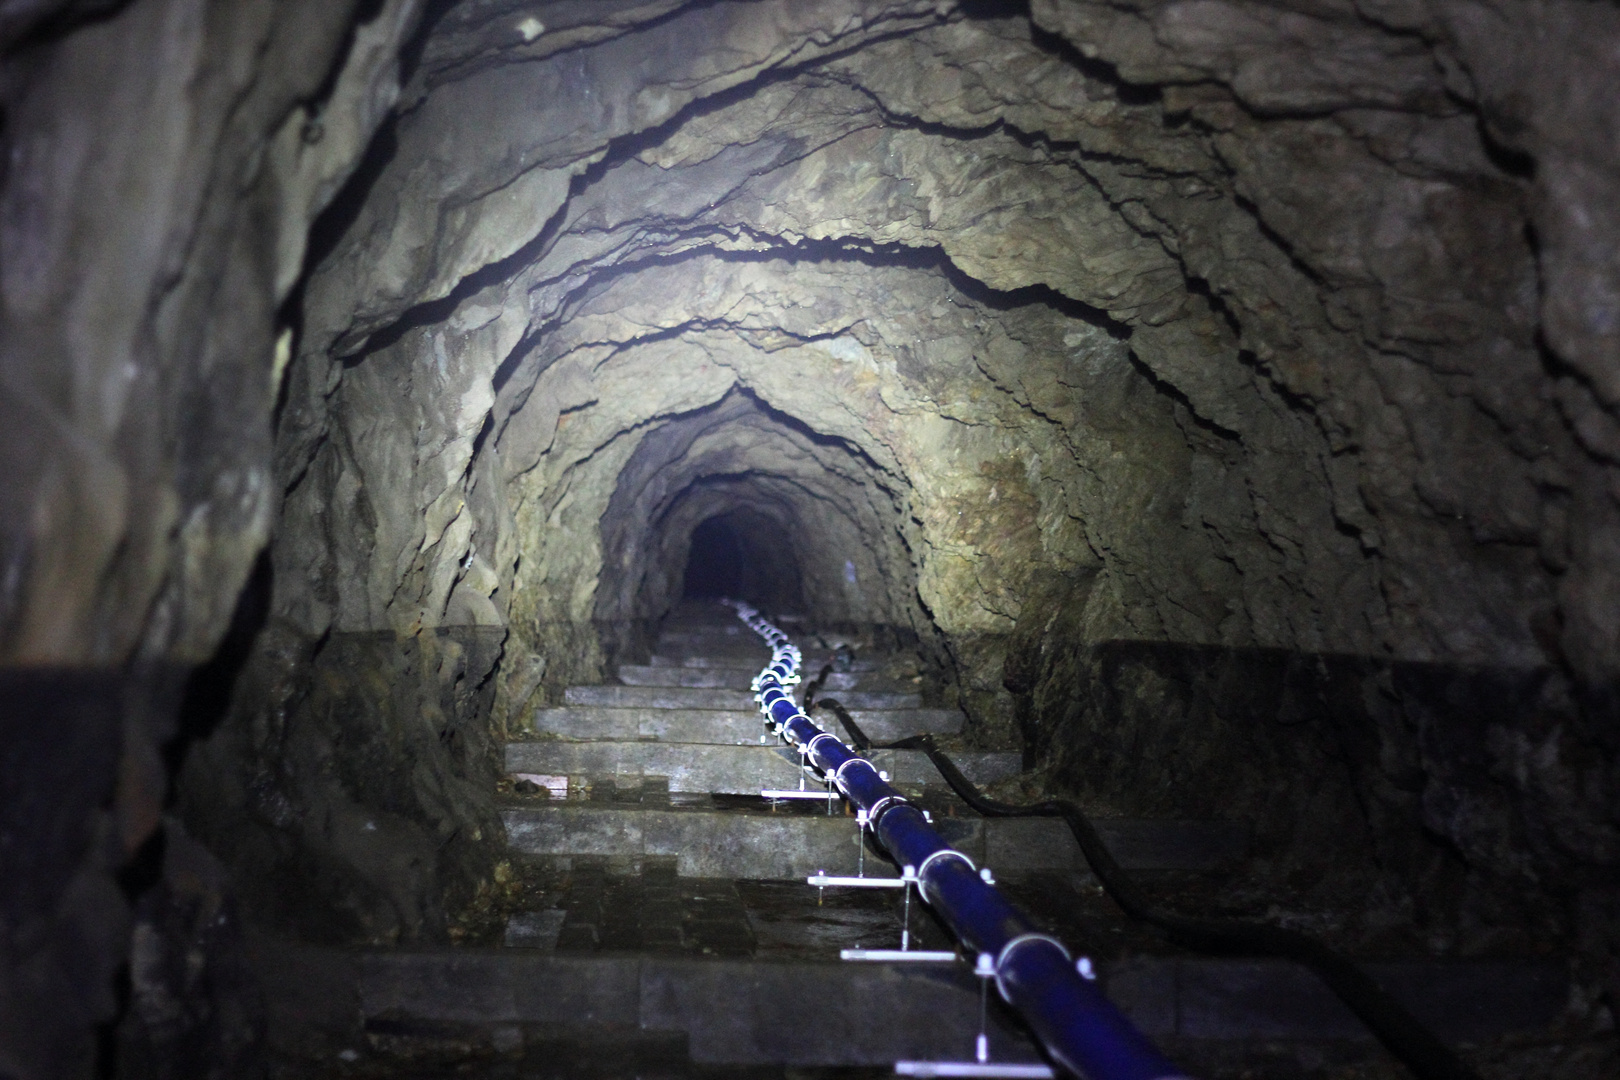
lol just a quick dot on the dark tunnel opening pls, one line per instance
(734, 555)
(714, 566)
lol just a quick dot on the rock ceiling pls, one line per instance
(1247, 332)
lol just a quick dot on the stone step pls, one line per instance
(709, 635)
(705, 843)
(611, 904)
(732, 1012)
(728, 769)
(732, 678)
(842, 1014)
(678, 659)
(695, 697)
(660, 697)
(734, 728)
(814, 659)
(812, 662)
(759, 843)
(682, 697)
(721, 644)
(716, 646)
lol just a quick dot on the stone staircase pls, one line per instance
(664, 923)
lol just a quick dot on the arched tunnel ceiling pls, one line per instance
(1403, 221)
(828, 503)
(1157, 341)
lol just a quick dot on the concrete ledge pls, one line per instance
(732, 678)
(709, 634)
(660, 697)
(733, 1011)
(709, 697)
(476, 987)
(735, 727)
(887, 725)
(682, 658)
(677, 657)
(709, 844)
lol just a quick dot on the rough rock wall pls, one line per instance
(164, 161)
(355, 772)
(1279, 330)
(1440, 206)
(1225, 388)
(1443, 318)
(1196, 325)
(350, 789)
(164, 167)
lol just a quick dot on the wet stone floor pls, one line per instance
(606, 905)
(596, 904)
(653, 910)
(593, 906)
(634, 1055)
(585, 904)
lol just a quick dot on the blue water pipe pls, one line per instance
(1081, 1029)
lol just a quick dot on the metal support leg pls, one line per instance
(985, 969)
(909, 876)
(860, 842)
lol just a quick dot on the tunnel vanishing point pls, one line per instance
(1207, 411)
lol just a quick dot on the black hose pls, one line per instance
(814, 687)
(1400, 1032)
(856, 735)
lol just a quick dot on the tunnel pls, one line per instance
(714, 561)
(1203, 415)
(738, 555)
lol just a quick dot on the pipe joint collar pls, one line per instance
(883, 806)
(810, 748)
(1017, 943)
(839, 775)
(942, 853)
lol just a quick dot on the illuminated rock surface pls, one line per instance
(1213, 403)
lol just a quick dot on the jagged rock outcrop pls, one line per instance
(164, 162)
